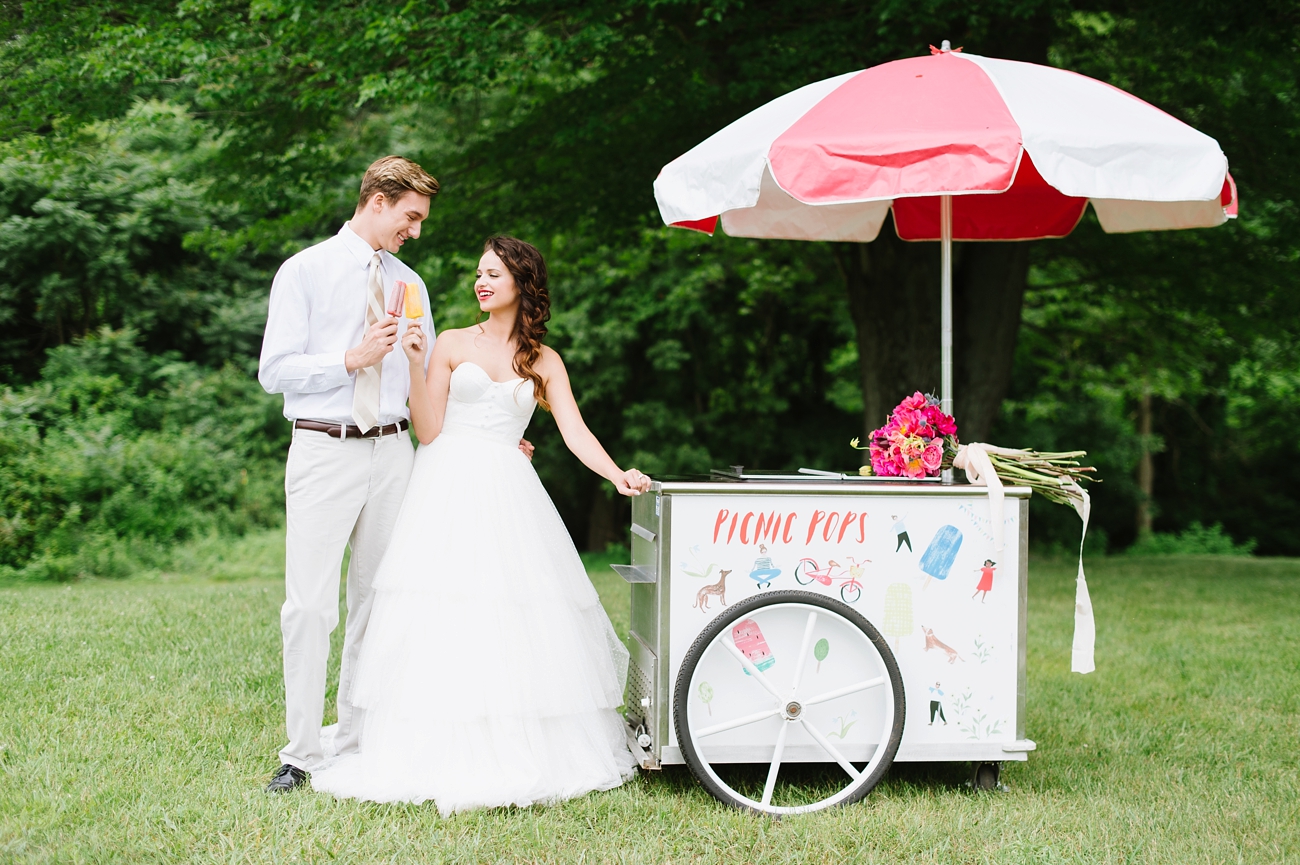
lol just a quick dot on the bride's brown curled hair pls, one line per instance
(528, 268)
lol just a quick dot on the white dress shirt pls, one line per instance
(317, 313)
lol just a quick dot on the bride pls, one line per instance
(490, 674)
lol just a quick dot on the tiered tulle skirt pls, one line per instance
(490, 674)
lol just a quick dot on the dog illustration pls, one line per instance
(719, 588)
(933, 642)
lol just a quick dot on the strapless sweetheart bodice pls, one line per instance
(477, 406)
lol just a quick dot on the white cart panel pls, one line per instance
(911, 560)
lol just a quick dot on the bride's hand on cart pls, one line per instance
(631, 483)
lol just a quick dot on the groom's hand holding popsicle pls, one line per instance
(378, 342)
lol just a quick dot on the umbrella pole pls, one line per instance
(945, 311)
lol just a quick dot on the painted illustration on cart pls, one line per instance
(844, 724)
(900, 533)
(933, 642)
(898, 613)
(973, 716)
(939, 556)
(820, 651)
(936, 704)
(808, 571)
(748, 638)
(697, 568)
(857, 570)
(705, 691)
(983, 526)
(763, 573)
(718, 590)
(986, 579)
(935, 635)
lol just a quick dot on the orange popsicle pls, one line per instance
(414, 303)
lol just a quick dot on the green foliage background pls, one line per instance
(159, 159)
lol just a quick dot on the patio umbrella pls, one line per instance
(958, 147)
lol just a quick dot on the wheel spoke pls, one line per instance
(736, 722)
(753, 671)
(830, 749)
(846, 690)
(803, 653)
(776, 764)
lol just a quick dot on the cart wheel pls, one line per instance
(851, 593)
(986, 776)
(774, 700)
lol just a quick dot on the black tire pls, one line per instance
(986, 776)
(854, 591)
(724, 620)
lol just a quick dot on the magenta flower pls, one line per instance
(912, 441)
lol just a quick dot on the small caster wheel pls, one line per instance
(986, 776)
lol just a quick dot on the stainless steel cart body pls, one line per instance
(912, 558)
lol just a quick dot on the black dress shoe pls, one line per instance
(286, 778)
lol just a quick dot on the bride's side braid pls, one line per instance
(528, 268)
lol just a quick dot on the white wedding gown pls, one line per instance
(490, 674)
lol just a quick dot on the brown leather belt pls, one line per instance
(348, 431)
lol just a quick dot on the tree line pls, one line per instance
(158, 160)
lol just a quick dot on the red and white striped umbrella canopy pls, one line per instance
(1022, 148)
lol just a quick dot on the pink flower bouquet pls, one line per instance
(917, 441)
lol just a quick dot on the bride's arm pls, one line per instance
(429, 403)
(577, 437)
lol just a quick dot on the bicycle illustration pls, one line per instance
(808, 571)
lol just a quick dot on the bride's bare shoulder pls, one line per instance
(549, 362)
(458, 333)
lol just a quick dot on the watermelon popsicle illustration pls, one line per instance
(748, 637)
(937, 560)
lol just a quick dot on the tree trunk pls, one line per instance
(893, 289)
(1146, 470)
(988, 292)
(605, 521)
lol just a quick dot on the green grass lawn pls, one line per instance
(140, 719)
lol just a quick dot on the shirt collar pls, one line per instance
(359, 248)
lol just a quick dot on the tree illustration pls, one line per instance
(898, 611)
(820, 651)
(705, 691)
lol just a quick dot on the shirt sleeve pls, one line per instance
(285, 366)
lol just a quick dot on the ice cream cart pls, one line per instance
(782, 619)
(824, 617)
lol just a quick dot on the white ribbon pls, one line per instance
(974, 460)
(1085, 628)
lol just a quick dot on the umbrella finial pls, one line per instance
(945, 45)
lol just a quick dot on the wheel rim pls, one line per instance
(839, 706)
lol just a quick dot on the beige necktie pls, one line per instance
(365, 396)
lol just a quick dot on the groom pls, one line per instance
(329, 349)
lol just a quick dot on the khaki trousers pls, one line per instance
(337, 493)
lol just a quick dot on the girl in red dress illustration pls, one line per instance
(986, 579)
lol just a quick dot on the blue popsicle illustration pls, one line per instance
(937, 560)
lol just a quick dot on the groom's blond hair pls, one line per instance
(395, 176)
